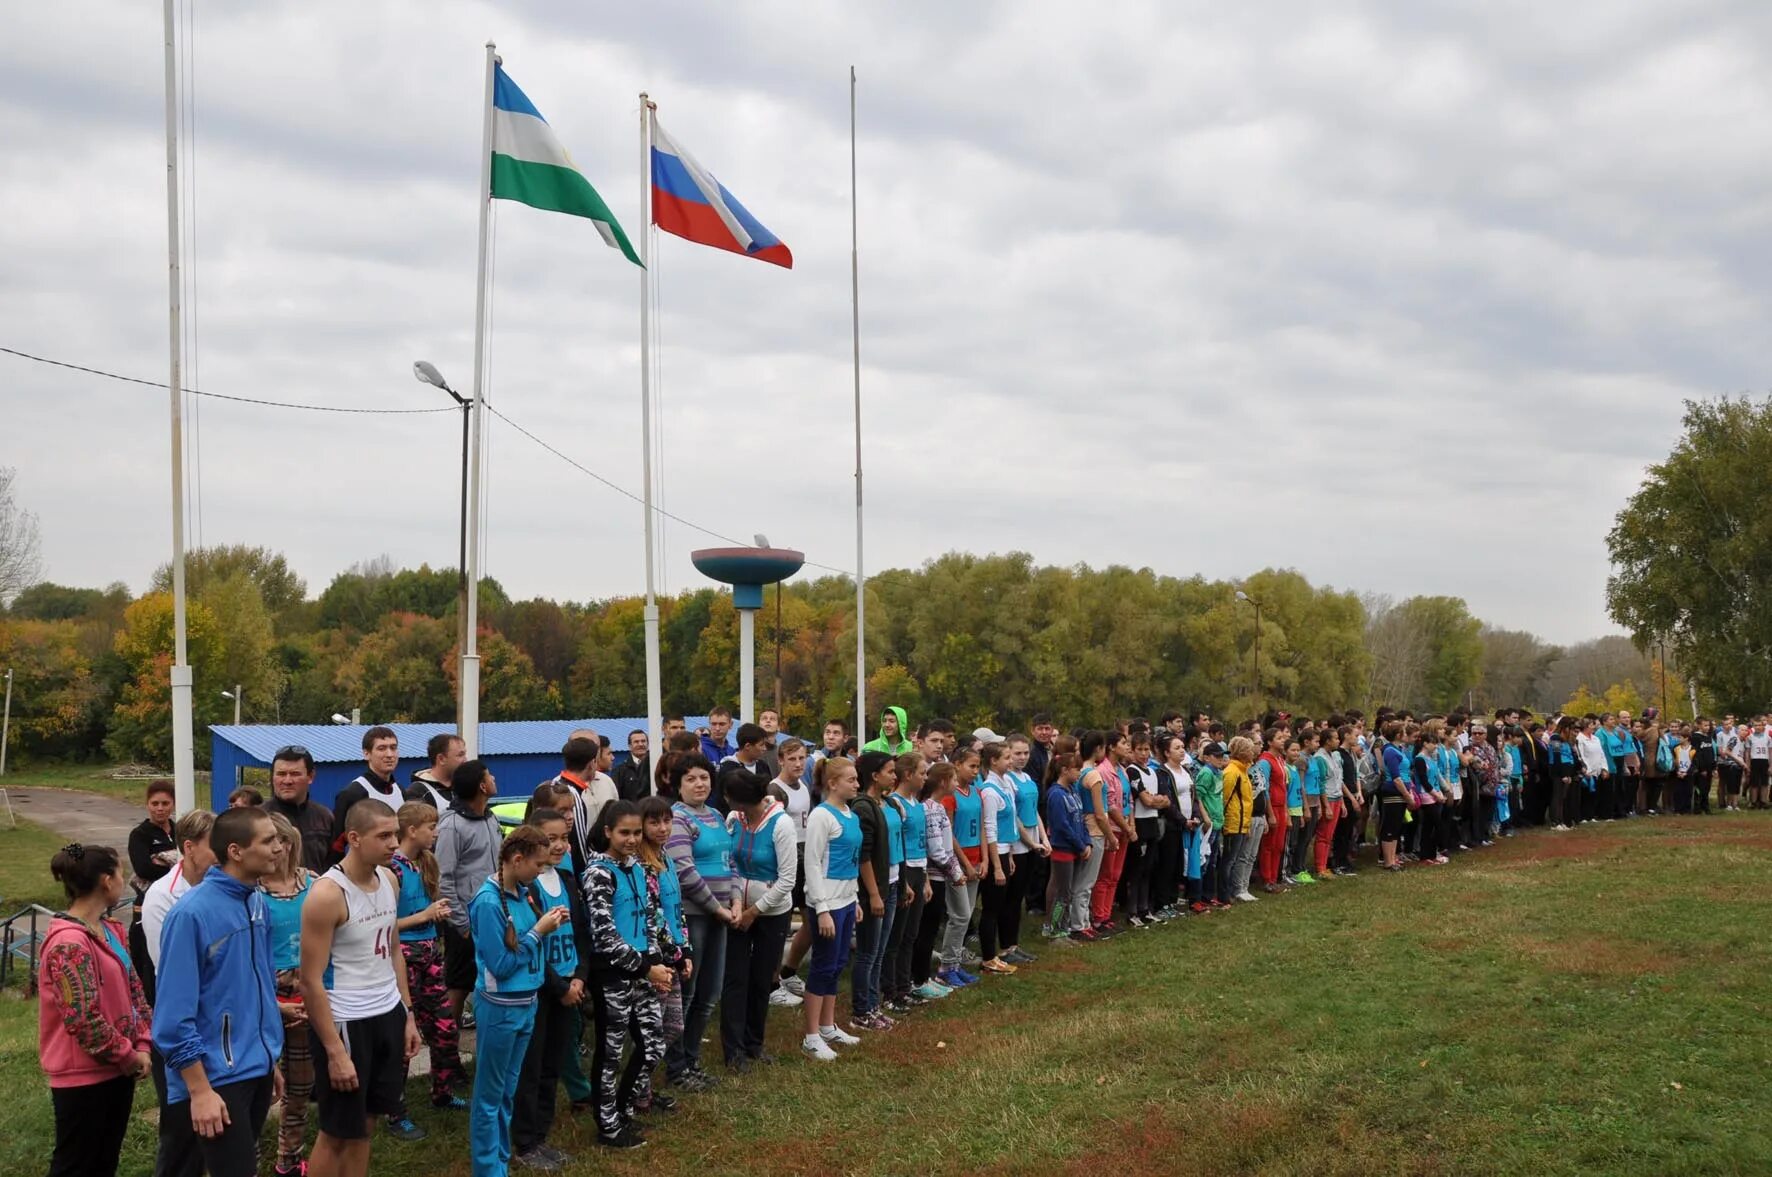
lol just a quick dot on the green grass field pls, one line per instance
(87, 778)
(1589, 1002)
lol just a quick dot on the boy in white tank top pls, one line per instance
(354, 984)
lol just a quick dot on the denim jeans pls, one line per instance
(871, 937)
(707, 941)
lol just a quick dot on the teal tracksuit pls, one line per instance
(504, 1005)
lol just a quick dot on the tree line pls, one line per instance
(980, 639)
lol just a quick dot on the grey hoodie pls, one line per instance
(467, 853)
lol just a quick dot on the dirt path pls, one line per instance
(82, 817)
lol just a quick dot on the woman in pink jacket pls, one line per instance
(92, 1019)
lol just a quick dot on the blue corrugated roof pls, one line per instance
(332, 743)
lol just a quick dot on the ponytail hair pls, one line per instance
(519, 843)
(80, 869)
(939, 772)
(825, 767)
(412, 815)
(611, 813)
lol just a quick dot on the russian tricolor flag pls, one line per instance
(689, 202)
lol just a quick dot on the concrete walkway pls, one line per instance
(92, 818)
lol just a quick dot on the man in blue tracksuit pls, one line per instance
(217, 1024)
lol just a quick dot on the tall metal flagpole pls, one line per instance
(468, 682)
(184, 764)
(654, 695)
(861, 646)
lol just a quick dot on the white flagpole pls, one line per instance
(861, 645)
(654, 694)
(184, 764)
(468, 682)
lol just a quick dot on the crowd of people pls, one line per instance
(283, 951)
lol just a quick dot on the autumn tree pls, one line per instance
(1692, 551)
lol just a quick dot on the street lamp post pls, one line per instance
(426, 373)
(236, 694)
(1255, 662)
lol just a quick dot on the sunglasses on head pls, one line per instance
(291, 752)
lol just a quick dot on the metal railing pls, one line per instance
(21, 935)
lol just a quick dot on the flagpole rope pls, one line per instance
(248, 400)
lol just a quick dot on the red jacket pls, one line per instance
(1276, 786)
(92, 1018)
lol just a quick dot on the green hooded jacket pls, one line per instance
(898, 747)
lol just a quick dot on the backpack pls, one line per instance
(1664, 756)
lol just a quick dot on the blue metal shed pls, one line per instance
(521, 753)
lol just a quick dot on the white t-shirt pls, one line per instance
(165, 891)
(1143, 783)
(1593, 756)
(1759, 746)
(363, 983)
(798, 805)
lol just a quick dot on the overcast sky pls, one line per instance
(1172, 284)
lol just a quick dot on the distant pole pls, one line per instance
(1258, 708)
(468, 679)
(238, 695)
(778, 650)
(6, 722)
(747, 664)
(184, 762)
(461, 567)
(649, 612)
(861, 641)
(1661, 650)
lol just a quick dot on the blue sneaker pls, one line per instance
(402, 1128)
(451, 1103)
(968, 978)
(953, 978)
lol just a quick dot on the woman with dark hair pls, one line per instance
(701, 849)
(92, 1018)
(766, 869)
(878, 772)
(152, 853)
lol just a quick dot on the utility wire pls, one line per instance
(570, 461)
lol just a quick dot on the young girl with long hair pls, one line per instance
(1092, 793)
(92, 1016)
(1029, 852)
(944, 871)
(1116, 749)
(878, 773)
(1070, 844)
(418, 915)
(1148, 808)
(564, 987)
(628, 970)
(997, 801)
(833, 868)
(665, 895)
(965, 810)
(509, 927)
(286, 892)
(904, 808)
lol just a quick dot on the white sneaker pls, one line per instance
(1245, 897)
(833, 1034)
(784, 997)
(794, 985)
(813, 1046)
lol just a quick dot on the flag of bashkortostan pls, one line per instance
(530, 166)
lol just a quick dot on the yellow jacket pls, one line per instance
(1239, 798)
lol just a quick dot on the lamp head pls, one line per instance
(426, 373)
